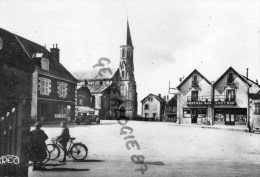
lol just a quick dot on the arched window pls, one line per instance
(123, 74)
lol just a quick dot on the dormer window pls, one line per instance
(45, 64)
(195, 80)
(230, 78)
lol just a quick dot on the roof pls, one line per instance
(27, 49)
(56, 68)
(128, 36)
(12, 52)
(172, 101)
(97, 88)
(193, 72)
(243, 78)
(94, 74)
(160, 99)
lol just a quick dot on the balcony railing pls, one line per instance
(200, 100)
(224, 98)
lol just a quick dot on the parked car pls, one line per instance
(87, 118)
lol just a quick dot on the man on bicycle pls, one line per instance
(63, 139)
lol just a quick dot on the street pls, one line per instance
(168, 149)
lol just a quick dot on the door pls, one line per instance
(194, 115)
(230, 119)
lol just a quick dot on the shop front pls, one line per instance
(194, 115)
(230, 116)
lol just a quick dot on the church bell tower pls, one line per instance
(126, 72)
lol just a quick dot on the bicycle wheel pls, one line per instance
(79, 151)
(54, 151)
(47, 157)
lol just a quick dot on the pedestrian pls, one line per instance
(38, 146)
(64, 138)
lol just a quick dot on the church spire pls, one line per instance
(128, 36)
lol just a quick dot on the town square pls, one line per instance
(129, 88)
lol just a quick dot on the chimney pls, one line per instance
(55, 51)
(164, 97)
(256, 81)
(167, 98)
(159, 95)
(247, 73)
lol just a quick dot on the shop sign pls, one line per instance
(199, 103)
(225, 103)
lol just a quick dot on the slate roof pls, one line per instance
(194, 71)
(160, 99)
(94, 74)
(97, 88)
(243, 78)
(29, 48)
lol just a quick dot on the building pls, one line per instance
(170, 112)
(15, 103)
(231, 98)
(53, 87)
(254, 104)
(194, 98)
(116, 88)
(224, 102)
(153, 107)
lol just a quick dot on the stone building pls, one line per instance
(153, 107)
(53, 87)
(116, 87)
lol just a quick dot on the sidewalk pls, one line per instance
(240, 128)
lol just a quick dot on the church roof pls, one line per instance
(94, 74)
(128, 36)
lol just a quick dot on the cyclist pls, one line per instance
(63, 139)
(38, 146)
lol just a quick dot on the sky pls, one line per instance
(170, 38)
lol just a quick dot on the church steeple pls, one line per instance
(128, 36)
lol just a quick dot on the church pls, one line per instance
(111, 90)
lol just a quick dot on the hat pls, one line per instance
(38, 124)
(63, 124)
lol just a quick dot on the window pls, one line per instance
(194, 95)
(81, 98)
(186, 112)
(146, 115)
(150, 99)
(195, 80)
(45, 64)
(230, 78)
(62, 89)
(230, 95)
(44, 86)
(123, 74)
(99, 101)
(257, 109)
(123, 90)
(62, 111)
(146, 107)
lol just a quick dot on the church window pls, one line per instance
(122, 90)
(123, 74)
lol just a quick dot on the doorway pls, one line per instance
(194, 116)
(229, 118)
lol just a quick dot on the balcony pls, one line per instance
(224, 100)
(200, 100)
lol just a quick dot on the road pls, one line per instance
(169, 151)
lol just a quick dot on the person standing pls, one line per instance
(64, 138)
(38, 146)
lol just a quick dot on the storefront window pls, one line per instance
(240, 118)
(257, 109)
(219, 117)
(186, 112)
(202, 112)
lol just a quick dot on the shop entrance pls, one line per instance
(194, 115)
(229, 118)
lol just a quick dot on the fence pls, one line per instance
(13, 141)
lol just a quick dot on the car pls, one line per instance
(87, 118)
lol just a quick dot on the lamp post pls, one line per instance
(178, 101)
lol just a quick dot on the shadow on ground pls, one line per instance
(65, 169)
(154, 163)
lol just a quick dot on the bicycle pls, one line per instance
(204, 122)
(77, 151)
